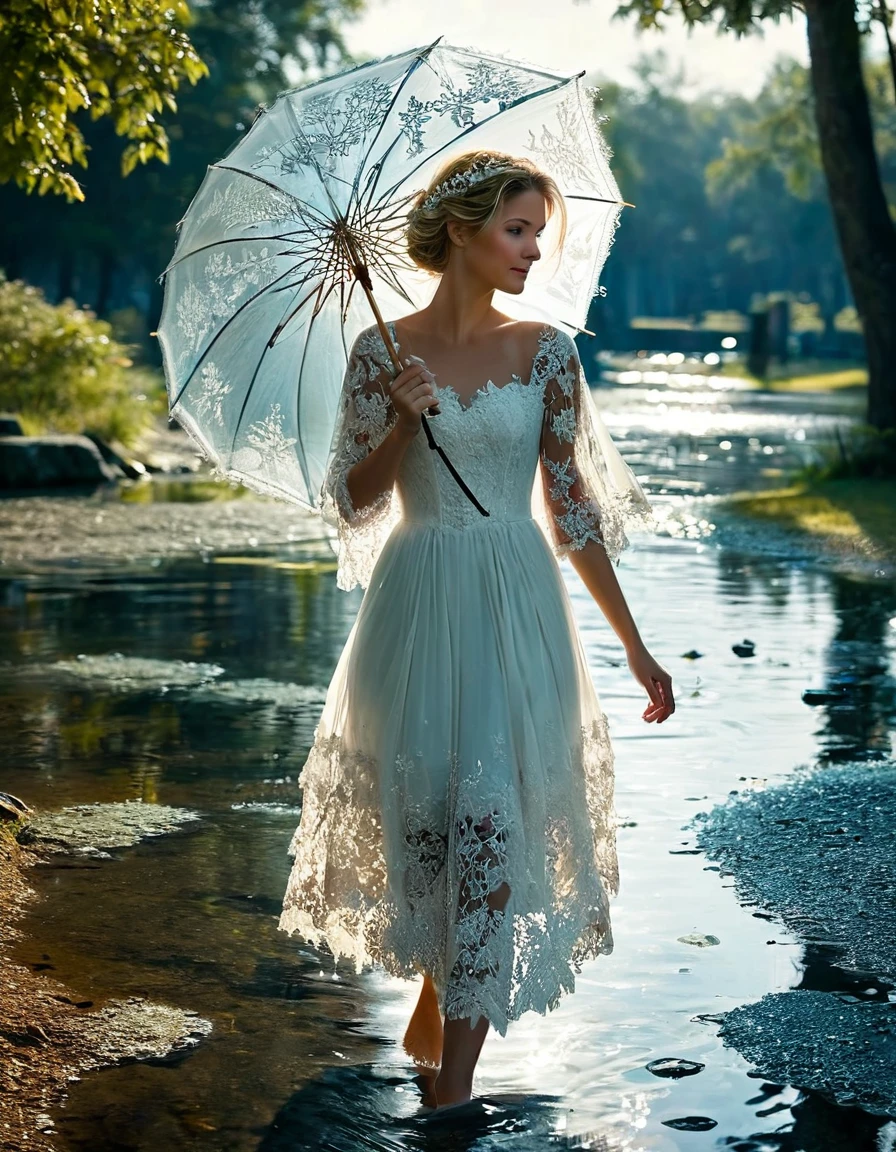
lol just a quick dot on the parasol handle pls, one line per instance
(363, 277)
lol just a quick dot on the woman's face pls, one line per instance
(502, 253)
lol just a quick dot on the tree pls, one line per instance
(716, 251)
(123, 61)
(123, 232)
(771, 160)
(865, 228)
(647, 121)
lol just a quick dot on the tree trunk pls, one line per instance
(107, 264)
(867, 233)
(66, 280)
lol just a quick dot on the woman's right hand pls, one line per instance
(412, 392)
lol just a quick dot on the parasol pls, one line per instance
(297, 234)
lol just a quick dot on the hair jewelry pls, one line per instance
(457, 184)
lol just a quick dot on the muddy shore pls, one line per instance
(50, 1034)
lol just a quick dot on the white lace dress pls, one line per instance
(462, 745)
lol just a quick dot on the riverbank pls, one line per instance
(181, 509)
(51, 1035)
(147, 519)
(829, 833)
(848, 518)
(801, 375)
(34, 1072)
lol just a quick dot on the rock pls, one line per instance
(815, 1041)
(137, 1029)
(11, 807)
(708, 1018)
(691, 1123)
(52, 461)
(133, 469)
(673, 1067)
(92, 829)
(691, 654)
(745, 648)
(699, 940)
(816, 853)
(814, 696)
(9, 425)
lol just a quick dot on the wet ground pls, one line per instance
(195, 680)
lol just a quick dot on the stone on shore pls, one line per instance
(94, 829)
(844, 1051)
(28, 462)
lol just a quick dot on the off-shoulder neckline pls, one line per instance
(546, 333)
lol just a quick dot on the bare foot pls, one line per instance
(452, 1090)
(423, 1037)
(427, 1078)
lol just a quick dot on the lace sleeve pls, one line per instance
(586, 490)
(363, 420)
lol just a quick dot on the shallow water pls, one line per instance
(216, 713)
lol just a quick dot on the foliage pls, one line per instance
(847, 320)
(742, 17)
(855, 183)
(119, 61)
(778, 132)
(861, 451)
(716, 250)
(61, 369)
(739, 16)
(662, 144)
(111, 248)
(805, 317)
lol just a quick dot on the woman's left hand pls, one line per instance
(657, 683)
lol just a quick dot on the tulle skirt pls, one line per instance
(457, 802)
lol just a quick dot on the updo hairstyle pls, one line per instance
(428, 242)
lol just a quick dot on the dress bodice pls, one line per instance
(531, 449)
(492, 441)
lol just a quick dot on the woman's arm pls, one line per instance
(368, 445)
(575, 521)
(371, 478)
(599, 577)
(408, 395)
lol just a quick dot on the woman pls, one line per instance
(457, 818)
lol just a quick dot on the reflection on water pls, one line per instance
(698, 441)
(201, 685)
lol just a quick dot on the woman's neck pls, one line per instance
(459, 310)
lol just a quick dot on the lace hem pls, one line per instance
(500, 911)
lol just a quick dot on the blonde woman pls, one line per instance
(457, 819)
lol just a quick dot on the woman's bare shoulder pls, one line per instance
(531, 333)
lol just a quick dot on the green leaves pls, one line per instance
(61, 368)
(738, 16)
(87, 56)
(778, 132)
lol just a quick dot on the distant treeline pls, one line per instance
(730, 200)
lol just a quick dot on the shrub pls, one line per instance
(862, 451)
(61, 370)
